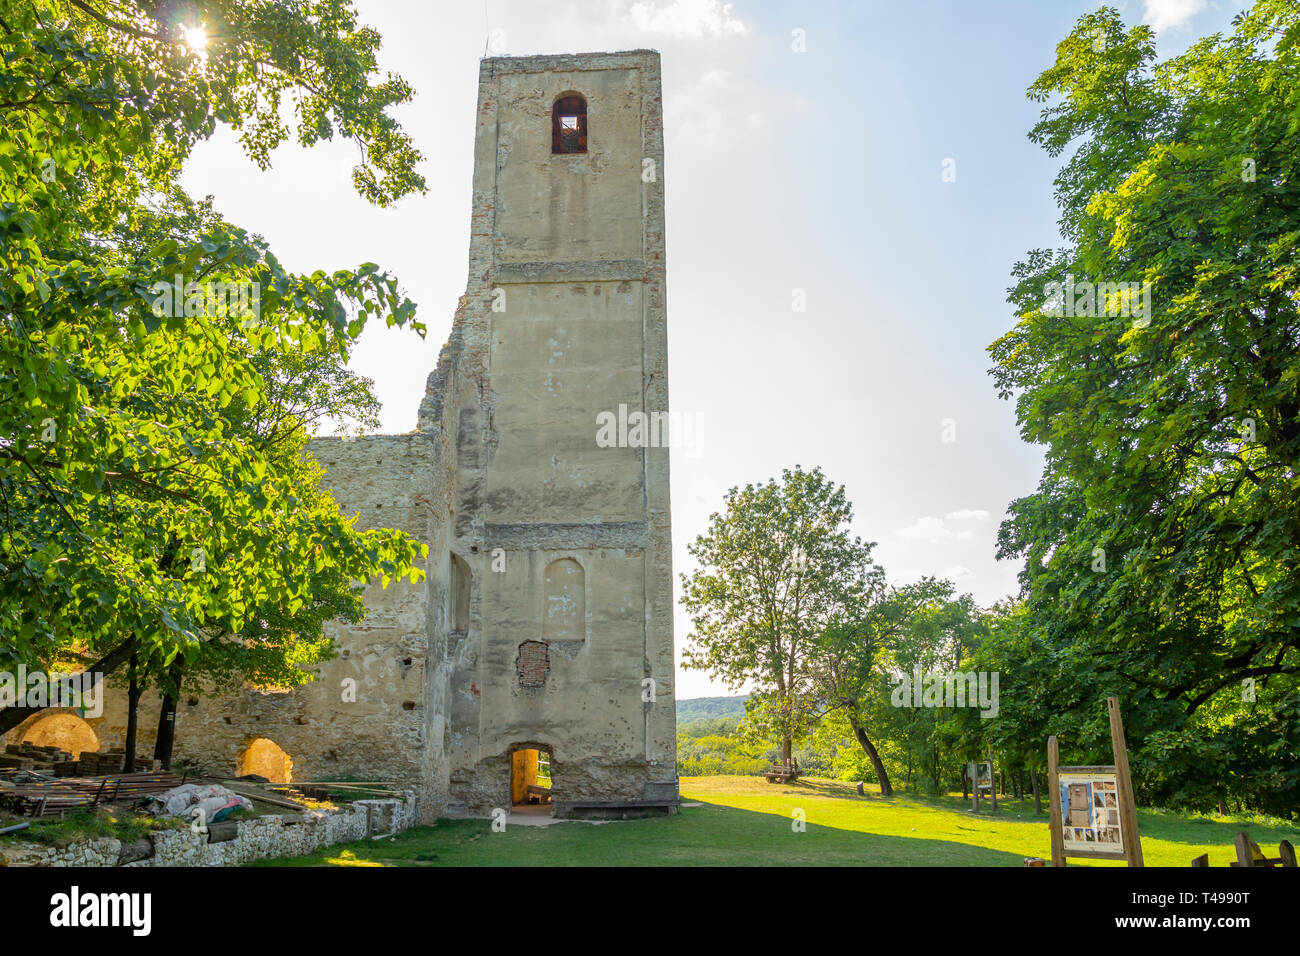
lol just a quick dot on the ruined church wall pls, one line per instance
(380, 733)
(451, 419)
(538, 537)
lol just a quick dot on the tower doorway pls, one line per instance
(530, 780)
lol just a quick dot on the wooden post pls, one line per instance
(1245, 850)
(1127, 805)
(1054, 792)
(1286, 853)
(974, 786)
(993, 785)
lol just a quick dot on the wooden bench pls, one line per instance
(616, 804)
(781, 773)
(543, 794)
(1250, 854)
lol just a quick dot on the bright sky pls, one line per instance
(819, 171)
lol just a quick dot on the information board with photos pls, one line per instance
(1090, 812)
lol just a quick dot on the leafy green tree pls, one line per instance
(925, 626)
(1042, 687)
(1162, 546)
(147, 503)
(776, 567)
(847, 663)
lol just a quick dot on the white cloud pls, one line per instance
(930, 529)
(955, 572)
(1164, 14)
(967, 514)
(688, 18)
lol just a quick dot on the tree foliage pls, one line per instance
(1162, 547)
(776, 567)
(152, 477)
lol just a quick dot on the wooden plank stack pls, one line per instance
(71, 793)
(28, 749)
(47, 805)
(27, 756)
(93, 764)
(52, 760)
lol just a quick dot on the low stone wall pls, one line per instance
(255, 839)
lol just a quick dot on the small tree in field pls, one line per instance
(776, 568)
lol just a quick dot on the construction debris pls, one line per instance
(26, 756)
(58, 796)
(209, 804)
(60, 763)
(112, 761)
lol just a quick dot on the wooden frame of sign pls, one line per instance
(1095, 788)
(972, 769)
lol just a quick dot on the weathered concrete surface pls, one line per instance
(536, 534)
(566, 297)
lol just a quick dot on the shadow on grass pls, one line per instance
(706, 835)
(834, 788)
(1202, 832)
(1196, 833)
(1009, 808)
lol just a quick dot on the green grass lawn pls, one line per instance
(748, 822)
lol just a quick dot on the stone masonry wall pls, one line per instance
(378, 732)
(267, 836)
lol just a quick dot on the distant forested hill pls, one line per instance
(708, 708)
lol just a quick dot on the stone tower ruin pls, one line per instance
(556, 607)
(543, 630)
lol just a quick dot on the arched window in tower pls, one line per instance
(569, 124)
